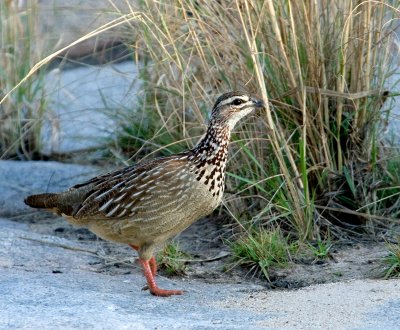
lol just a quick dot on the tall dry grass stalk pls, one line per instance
(18, 53)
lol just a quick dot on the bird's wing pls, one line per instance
(132, 190)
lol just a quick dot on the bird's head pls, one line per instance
(231, 107)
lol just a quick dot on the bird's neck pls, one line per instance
(209, 158)
(212, 149)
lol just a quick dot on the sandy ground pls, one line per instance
(50, 287)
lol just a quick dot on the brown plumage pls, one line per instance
(146, 204)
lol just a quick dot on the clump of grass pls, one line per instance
(317, 153)
(384, 197)
(259, 250)
(320, 249)
(392, 261)
(20, 49)
(172, 259)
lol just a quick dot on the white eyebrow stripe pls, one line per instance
(230, 100)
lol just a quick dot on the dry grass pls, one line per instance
(23, 64)
(18, 112)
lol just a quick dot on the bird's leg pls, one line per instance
(153, 263)
(154, 289)
(150, 271)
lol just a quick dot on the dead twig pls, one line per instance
(64, 246)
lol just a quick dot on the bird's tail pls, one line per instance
(42, 201)
(56, 203)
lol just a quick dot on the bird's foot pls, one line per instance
(164, 293)
(151, 283)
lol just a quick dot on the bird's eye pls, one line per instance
(238, 102)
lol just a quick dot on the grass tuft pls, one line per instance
(392, 261)
(261, 249)
(320, 250)
(172, 259)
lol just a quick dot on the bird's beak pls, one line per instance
(257, 102)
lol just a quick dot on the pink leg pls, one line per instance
(150, 271)
(154, 289)
(153, 266)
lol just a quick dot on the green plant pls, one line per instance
(172, 259)
(320, 249)
(262, 249)
(384, 190)
(392, 261)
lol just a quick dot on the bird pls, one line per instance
(146, 204)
